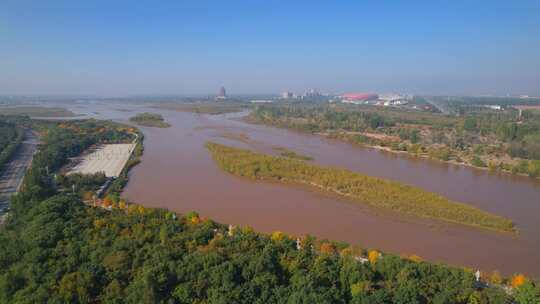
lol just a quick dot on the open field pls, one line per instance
(109, 158)
(36, 111)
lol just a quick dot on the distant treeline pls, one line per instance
(486, 100)
(481, 139)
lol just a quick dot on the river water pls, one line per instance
(178, 173)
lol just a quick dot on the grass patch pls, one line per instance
(373, 191)
(150, 120)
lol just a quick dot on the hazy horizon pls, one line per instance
(264, 47)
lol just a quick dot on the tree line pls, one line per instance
(491, 137)
(11, 135)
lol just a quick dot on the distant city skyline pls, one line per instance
(187, 48)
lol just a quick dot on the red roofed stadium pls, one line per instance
(359, 96)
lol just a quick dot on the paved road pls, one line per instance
(12, 173)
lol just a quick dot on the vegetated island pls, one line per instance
(59, 245)
(150, 120)
(373, 191)
(211, 108)
(35, 111)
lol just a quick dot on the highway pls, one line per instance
(12, 173)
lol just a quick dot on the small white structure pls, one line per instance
(494, 107)
(286, 95)
(360, 259)
(298, 244)
(477, 275)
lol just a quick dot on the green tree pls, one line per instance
(527, 293)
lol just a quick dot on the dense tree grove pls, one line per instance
(501, 139)
(56, 249)
(369, 190)
(11, 136)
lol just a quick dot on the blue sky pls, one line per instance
(194, 47)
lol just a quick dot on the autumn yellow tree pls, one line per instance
(328, 248)
(373, 256)
(141, 209)
(122, 204)
(415, 258)
(132, 209)
(495, 277)
(88, 196)
(518, 280)
(347, 251)
(277, 236)
(99, 223)
(107, 202)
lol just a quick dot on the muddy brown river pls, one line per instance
(178, 173)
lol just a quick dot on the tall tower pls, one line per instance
(222, 93)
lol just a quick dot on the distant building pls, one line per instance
(494, 107)
(393, 100)
(358, 98)
(222, 94)
(392, 97)
(287, 95)
(312, 93)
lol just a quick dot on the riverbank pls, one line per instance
(489, 167)
(425, 156)
(391, 144)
